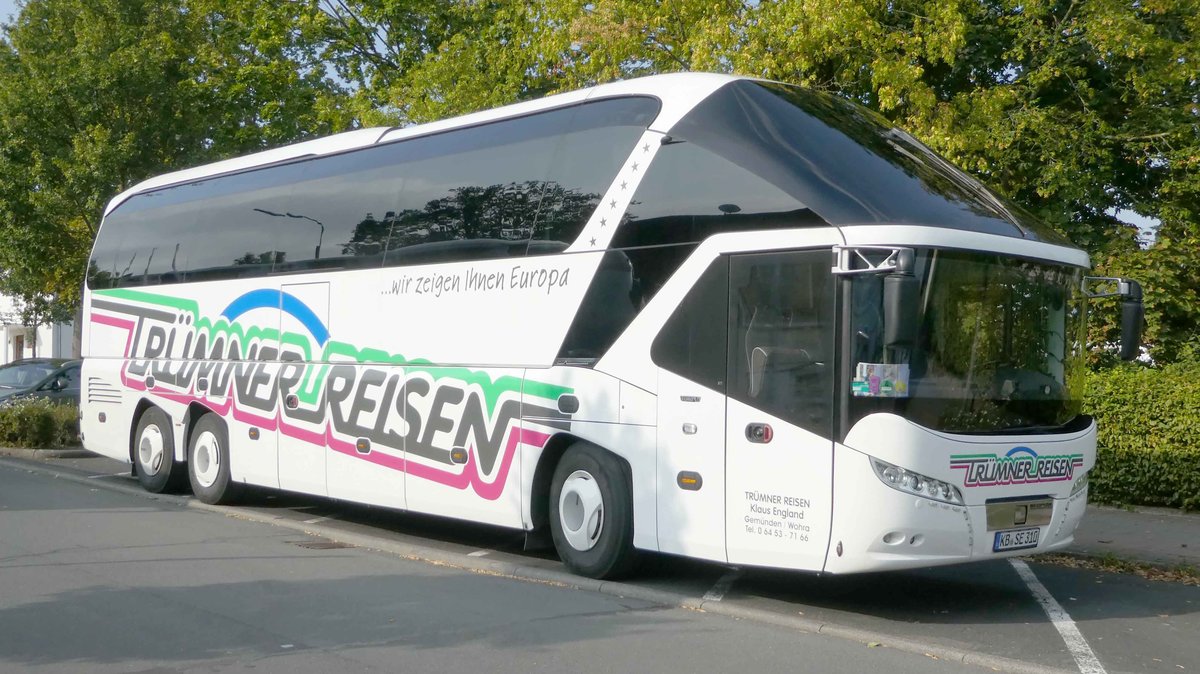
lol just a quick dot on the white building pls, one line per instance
(22, 341)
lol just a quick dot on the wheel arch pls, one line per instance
(138, 410)
(543, 475)
(193, 413)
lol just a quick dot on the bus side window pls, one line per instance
(780, 360)
(689, 194)
(495, 184)
(694, 340)
(610, 304)
(585, 159)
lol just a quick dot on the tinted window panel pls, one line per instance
(781, 336)
(846, 163)
(610, 304)
(465, 194)
(225, 227)
(693, 342)
(541, 173)
(690, 193)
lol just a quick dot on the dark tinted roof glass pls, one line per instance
(846, 163)
(463, 194)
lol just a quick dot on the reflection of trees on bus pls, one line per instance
(506, 212)
(268, 257)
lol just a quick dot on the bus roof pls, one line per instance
(678, 93)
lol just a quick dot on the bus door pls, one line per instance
(690, 354)
(304, 331)
(779, 415)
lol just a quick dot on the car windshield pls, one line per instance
(999, 347)
(24, 374)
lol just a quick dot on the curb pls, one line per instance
(517, 571)
(38, 454)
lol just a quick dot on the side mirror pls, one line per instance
(1133, 314)
(58, 384)
(901, 297)
(1132, 311)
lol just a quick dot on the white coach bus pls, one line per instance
(693, 314)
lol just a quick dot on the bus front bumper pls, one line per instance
(878, 528)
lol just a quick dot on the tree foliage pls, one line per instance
(96, 96)
(1075, 109)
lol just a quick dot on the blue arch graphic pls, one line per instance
(277, 299)
(1022, 450)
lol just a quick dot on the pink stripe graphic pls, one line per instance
(470, 476)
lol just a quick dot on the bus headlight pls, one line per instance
(1080, 484)
(914, 483)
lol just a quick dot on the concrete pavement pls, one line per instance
(1158, 536)
(980, 613)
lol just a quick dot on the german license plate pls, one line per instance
(1016, 539)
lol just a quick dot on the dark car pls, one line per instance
(50, 378)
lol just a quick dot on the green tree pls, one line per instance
(96, 96)
(1075, 109)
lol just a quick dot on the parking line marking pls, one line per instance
(479, 553)
(1085, 659)
(722, 586)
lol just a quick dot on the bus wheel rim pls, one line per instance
(206, 460)
(151, 450)
(581, 511)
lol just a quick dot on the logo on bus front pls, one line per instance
(1021, 465)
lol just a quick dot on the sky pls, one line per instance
(8, 8)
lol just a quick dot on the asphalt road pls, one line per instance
(246, 577)
(94, 580)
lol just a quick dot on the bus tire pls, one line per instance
(208, 462)
(591, 513)
(154, 453)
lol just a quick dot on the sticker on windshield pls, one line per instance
(880, 380)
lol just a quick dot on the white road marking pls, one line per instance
(479, 553)
(718, 591)
(316, 519)
(93, 477)
(1085, 659)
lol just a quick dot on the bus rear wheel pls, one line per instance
(208, 462)
(591, 513)
(154, 453)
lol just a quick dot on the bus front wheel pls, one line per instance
(591, 513)
(154, 453)
(208, 462)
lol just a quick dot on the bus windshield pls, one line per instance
(999, 348)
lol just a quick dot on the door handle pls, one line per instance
(759, 433)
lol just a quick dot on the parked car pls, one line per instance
(51, 378)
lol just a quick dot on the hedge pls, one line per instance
(39, 424)
(1148, 449)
